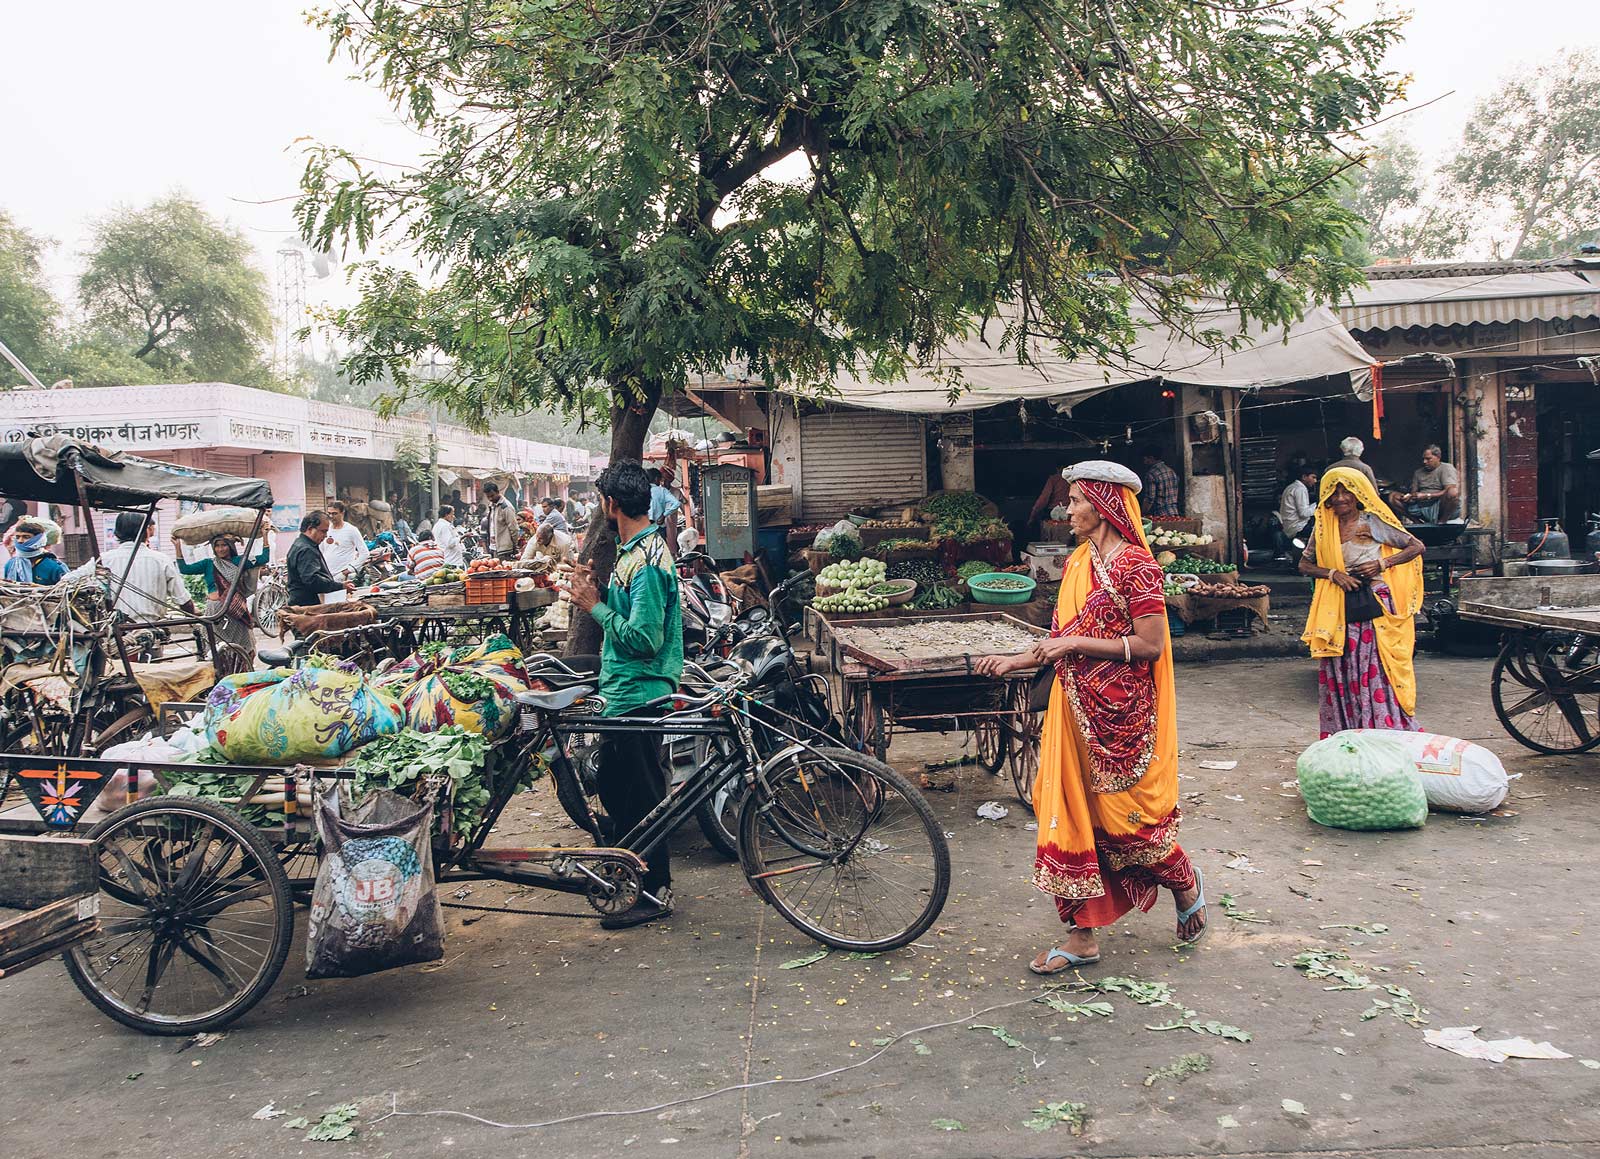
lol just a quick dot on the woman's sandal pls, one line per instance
(1069, 961)
(1199, 904)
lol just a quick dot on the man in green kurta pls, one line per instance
(641, 660)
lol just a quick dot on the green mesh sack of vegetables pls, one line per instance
(1361, 779)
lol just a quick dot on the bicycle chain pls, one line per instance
(527, 913)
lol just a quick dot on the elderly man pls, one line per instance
(1351, 449)
(1435, 495)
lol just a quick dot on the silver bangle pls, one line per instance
(1127, 652)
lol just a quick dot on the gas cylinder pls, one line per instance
(1548, 541)
(1591, 542)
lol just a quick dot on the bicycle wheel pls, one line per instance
(267, 603)
(845, 849)
(1543, 706)
(195, 917)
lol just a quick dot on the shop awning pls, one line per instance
(1523, 296)
(1317, 346)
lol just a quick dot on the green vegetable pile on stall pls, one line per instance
(1192, 565)
(401, 762)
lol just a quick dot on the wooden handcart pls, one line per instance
(914, 674)
(1546, 681)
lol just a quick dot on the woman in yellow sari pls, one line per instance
(1366, 679)
(1107, 793)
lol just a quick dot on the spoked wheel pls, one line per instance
(1541, 703)
(866, 718)
(991, 740)
(268, 602)
(845, 849)
(195, 917)
(1022, 755)
(718, 814)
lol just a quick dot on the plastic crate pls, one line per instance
(489, 587)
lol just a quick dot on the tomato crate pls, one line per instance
(489, 587)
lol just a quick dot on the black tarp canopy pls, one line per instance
(48, 469)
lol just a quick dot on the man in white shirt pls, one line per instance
(154, 589)
(345, 549)
(1296, 507)
(448, 538)
(551, 543)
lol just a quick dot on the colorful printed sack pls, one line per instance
(281, 716)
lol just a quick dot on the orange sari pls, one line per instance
(1107, 793)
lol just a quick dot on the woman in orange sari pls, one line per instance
(1107, 793)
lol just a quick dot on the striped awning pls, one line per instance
(1531, 296)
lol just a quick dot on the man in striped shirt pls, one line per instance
(425, 558)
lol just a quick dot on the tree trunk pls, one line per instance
(630, 426)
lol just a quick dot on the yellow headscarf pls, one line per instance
(1397, 632)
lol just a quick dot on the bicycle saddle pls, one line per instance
(557, 701)
(280, 657)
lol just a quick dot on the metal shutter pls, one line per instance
(860, 459)
(229, 462)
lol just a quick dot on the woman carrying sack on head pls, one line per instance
(1107, 793)
(234, 630)
(1369, 587)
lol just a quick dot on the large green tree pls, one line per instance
(1528, 166)
(619, 195)
(179, 291)
(28, 310)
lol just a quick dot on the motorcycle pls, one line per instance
(708, 611)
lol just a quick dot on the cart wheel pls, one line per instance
(1023, 733)
(991, 738)
(867, 716)
(195, 917)
(845, 849)
(1542, 705)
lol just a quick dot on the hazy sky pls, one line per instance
(107, 102)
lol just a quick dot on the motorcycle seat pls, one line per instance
(558, 700)
(282, 657)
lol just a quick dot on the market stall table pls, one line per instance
(1191, 608)
(517, 618)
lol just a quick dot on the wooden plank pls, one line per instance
(37, 870)
(1532, 591)
(42, 934)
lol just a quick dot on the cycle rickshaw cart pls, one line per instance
(1545, 685)
(196, 902)
(914, 674)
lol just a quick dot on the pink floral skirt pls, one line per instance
(1354, 689)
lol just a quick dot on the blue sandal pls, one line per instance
(1199, 904)
(1070, 961)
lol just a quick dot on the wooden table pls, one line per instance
(517, 619)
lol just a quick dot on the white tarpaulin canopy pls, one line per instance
(1318, 345)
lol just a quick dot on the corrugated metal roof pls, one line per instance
(1523, 296)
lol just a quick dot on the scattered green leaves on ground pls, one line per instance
(1180, 1068)
(1192, 1021)
(858, 956)
(808, 960)
(1227, 1122)
(1063, 1005)
(1002, 1034)
(1144, 993)
(1372, 930)
(1323, 965)
(948, 1125)
(336, 1123)
(1294, 1107)
(921, 1047)
(1074, 1115)
(1230, 907)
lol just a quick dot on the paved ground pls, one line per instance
(531, 1019)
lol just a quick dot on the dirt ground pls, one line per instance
(690, 1038)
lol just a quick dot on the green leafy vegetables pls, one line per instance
(404, 759)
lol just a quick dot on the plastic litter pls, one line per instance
(992, 811)
(1219, 766)
(1464, 1040)
(1362, 779)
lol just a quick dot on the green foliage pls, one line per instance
(1529, 160)
(402, 760)
(28, 310)
(1404, 219)
(177, 290)
(619, 196)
